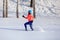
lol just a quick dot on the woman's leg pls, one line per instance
(31, 27)
(26, 25)
(31, 22)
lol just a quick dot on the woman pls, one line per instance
(30, 19)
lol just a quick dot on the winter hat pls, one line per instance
(30, 11)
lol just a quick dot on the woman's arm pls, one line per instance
(24, 17)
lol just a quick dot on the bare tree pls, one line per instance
(34, 8)
(32, 4)
(17, 14)
(5, 8)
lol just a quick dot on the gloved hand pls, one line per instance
(23, 16)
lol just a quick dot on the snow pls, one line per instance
(42, 24)
(46, 24)
(45, 28)
(20, 35)
(48, 7)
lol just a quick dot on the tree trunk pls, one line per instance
(17, 14)
(33, 5)
(34, 8)
(5, 8)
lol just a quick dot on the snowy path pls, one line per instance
(11, 29)
(41, 24)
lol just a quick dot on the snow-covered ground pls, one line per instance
(30, 35)
(45, 28)
(46, 24)
(42, 24)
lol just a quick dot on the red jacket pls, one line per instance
(29, 17)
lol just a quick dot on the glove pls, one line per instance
(23, 16)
